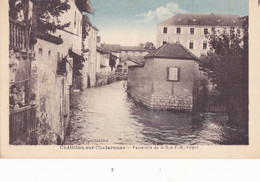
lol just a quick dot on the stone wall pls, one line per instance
(162, 102)
(52, 94)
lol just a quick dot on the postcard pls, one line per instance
(129, 79)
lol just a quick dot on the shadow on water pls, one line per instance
(106, 115)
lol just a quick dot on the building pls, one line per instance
(129, 56)
(190, 30)
(133, 51)
(168, 79)
(22, 116)
(103, 58)
(91, 66)
(54, 72)
(51, 66)
(129, 61)
(115, 50)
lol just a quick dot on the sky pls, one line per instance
(130, 22)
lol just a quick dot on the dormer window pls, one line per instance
(164, 29)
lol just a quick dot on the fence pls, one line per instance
(22, 122)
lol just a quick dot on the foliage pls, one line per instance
(47, 13)
(226, 67)
(112, 61)
(148, 46)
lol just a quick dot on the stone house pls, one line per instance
(167, 80)
(190, 30)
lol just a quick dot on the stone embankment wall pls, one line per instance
(162, 102)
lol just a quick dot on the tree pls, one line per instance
(226, 66)
(47, 13)
(148, 46)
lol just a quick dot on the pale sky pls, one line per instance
(130, 22)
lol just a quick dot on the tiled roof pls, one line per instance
(171, 51)
(203, 19)
(138, 60)
(50, 38)
(111, 47)
(102, 51)
(133, 48)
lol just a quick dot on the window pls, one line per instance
(191, 46)
(164, 42)
(125, 63)
(206, 31)
(205, 45)
(192, 31)
(164, 29)
(75, 21)
(40, 51)
(173, 74)
(178, 30)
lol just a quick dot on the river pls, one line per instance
(107, 115)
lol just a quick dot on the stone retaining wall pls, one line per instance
(162, 102)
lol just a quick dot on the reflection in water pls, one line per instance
(106, 115)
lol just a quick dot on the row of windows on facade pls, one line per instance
(192, 30)
(191, 44)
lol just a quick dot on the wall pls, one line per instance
(133, 53)
(91, 63)
(52, 93)
(148, 84)
(72, 35)
(185, 37)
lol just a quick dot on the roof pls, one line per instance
(203, 19)
(133, 48)
(171, 51)
(111, 47)
(48, 37)
(85, 6)
(102, 51)
(137, 60)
